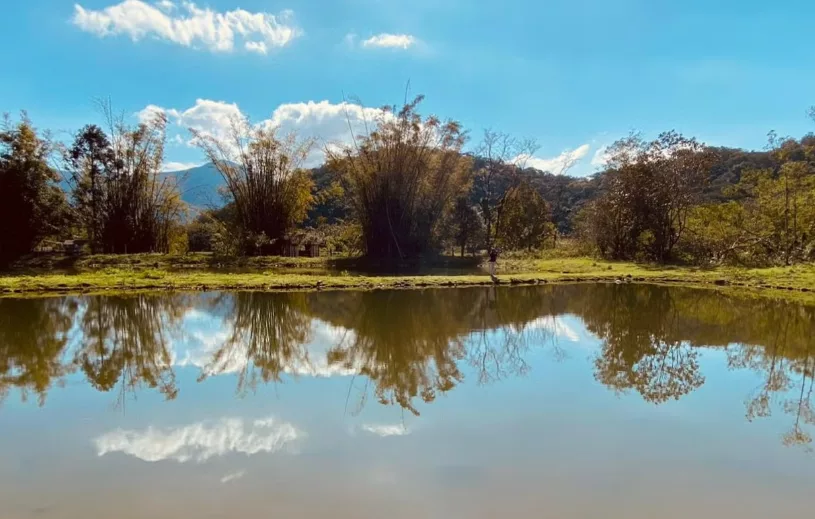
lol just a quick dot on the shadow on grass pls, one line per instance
(435, 265)
(67, 264)
(667, 267)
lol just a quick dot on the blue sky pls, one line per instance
(575, 75)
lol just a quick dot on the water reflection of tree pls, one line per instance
(652, 337)
(409, 344)
(506, 324)
(268, 335)
(778, 343)
(406, 343)
(127, 339)
(642, 348)
(33, 341)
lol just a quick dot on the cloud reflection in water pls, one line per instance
(201, 441)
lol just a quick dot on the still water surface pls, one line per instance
(614, 401)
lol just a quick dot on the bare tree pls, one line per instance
(504, 158)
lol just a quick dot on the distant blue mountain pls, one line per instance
(199, 185)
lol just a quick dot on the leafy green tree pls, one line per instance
(467, 227)
(781, 212)
(771, 220)
(499, 174)
(402, 178)
(89, 162)
(715, 234)
(330, 201)
(32, 206)
(650, 189)
(527, 220)
(142, 206)
(121, 198)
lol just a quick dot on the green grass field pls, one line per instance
(94, 274)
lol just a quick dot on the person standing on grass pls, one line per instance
(493, 261)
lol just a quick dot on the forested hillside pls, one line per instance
(565, 194)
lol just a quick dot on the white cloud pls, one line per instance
(170, 167)
(391, 41)
(328, 123)
(166, 6)
(148, 113)
(214, 118)
(557, 165)
(556, 325)
(600, 157)
(331, 124)
(386, 430)
(189, 26)
(233, 476)
(256, 46)
(200, 441)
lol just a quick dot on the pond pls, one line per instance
(563, 401)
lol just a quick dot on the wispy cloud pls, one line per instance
(166, 6)
(600, 157)
(557, 165)
(386, 430)
(172, 167)
(556, 325)
(390, 41)
(233, 476)
(200, 441)
(190, 25)
(257, 46)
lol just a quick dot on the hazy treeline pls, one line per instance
(651, 337)
(411, 185)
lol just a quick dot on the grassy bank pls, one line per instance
(203, 272)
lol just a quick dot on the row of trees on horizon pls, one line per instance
(404, 190)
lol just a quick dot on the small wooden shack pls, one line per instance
(311, 249)
(290, 249)
(305, 247)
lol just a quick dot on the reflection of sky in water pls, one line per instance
(204, 334)
(554, 440)
(200, 441)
